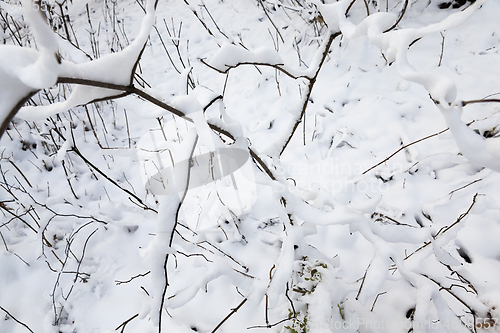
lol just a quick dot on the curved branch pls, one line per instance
(399, 18)
(270, 20)
(446, 228)
(475, 101)
(131, 89)
(16, 320)
(276, 66)
(312, 81)
(403, 148)
(14, 110)
(176, 222)
(233, 311)
(352, 3)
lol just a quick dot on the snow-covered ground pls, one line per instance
(379, 214)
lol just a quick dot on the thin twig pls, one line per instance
(77, 151)
(269, 18)
(363, 281)
(442, 50)
(199, 19)
(132, 278)
(10, 115)
(165, 263)
(460, 218)
(83, 254)
(376, 298)
(122, 325)
(312, 81)
(276, 66)
(16, 320)
(403, 148)
(233, 311)
(403, 11)
(22, 174)
(4, 243)
(474, 101)
(448, 289)
(446, 228)
(462, 187)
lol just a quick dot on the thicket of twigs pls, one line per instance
(84, 235)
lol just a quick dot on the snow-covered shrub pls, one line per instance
(278, 166)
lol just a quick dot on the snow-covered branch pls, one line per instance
(162, 182)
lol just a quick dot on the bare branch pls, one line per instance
(312, 81)
(446, 228)
(122, 325)
(233, 311)
(132, 278)
(16, 320)
(400, 17)
(475, 101)
(403, 148)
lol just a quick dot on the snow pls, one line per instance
(230, 55)
(334, 15)
(44, 72)
(23, 71)
(382, 210)
(81, 95)
(473, 146)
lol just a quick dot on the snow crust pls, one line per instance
(22, 70)
(230, 55)
(383, 208)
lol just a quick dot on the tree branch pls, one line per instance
(233, 311)
(16, 320)
(312, 81)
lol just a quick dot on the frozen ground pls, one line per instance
(379, 214)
